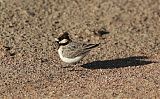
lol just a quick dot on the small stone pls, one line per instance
(101, 32)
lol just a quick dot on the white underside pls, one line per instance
(69, 60)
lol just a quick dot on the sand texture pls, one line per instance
(125, 65)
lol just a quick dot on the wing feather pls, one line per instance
(76, 49)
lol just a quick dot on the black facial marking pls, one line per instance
(65, 35)
(62, 44)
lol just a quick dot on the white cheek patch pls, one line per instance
(63, 41)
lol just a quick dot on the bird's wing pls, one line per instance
(76, 49)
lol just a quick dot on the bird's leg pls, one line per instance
(75, 65)
(65, 65)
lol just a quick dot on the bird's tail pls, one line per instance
(90, 46)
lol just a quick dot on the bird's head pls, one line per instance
(63, 39)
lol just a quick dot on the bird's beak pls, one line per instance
(57, 42)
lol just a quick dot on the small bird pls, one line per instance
(70, 51)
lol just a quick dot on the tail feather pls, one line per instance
(90, 46)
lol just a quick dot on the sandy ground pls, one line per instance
(125, 65)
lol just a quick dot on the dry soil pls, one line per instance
(125, 65)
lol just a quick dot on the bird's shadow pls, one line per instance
(118, 63)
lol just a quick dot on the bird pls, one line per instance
(71, 51)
